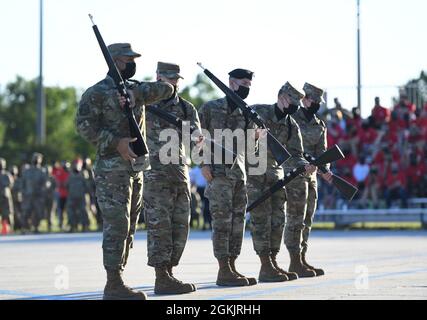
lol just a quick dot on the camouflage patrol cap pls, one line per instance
(291, 92)
(169, 70)
(313, 93)
(122, 49)
(241, 74)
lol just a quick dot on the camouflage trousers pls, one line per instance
(77, 211)
(227, 204)
(33, 208)
(119, 195)
(301, 196)
(167, 212)
(268, 219)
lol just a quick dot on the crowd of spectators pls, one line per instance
(385, 154)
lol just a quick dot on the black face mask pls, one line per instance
(291, 109)
(314, 107)
(242, 92)
(129, 71)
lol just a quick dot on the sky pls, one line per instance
(280, 40)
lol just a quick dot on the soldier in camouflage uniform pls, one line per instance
(118, 173)
(226, 188)
(167, 190)
(49, 196)
(33, 184)
(268, 219)
(77, 187)
(17, 198)
(6, 200)
(91, 198)
(302, 192)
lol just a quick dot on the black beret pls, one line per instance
(241, 74)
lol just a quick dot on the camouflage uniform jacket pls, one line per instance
(217, 114)
(101, 121)
(313, 133)
(288, 133)
(186, 112)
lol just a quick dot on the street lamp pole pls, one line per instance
(41, 125)
(359, 85)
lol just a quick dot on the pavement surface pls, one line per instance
(358, 265)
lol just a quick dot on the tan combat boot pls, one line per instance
(268, 273)
(165, 284)
(171, 274)
(252, 281)
(297, 267)
(291, 275)
(115, 289)
(226, 276)
(319, 272)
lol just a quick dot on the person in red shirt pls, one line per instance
(404, 106)
(356, 120)
(395, 186)
(415, 174)
(421, 122)
(397, 124)
(372, 189)
(348, 162)
(335, 133)
(367, 136)
(380, 114)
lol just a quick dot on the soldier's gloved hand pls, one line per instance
(206, 172)
(309, 169)
(122, 100)
(327, 176)
(124, 149)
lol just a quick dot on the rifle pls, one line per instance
(139, 146)
(328, 156)
(279, 152)
(176, 121)
(347, 190)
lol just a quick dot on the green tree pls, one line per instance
(200, 91)
(18, 123)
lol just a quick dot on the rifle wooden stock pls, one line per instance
(139, 146)
(347, 190)
(279, 152)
